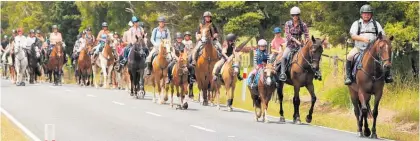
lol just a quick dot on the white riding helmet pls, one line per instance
(262, 42)
(295, 11)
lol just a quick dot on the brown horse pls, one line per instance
(301, 74)
(262, 94)
(84, 66)
(124, 79)
(105, 61)
(11, 65)
(229, 72)
(205, 63)
(55, 63)
(160, 71)
(370, 81)
(180, 80)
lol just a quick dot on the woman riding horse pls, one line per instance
(158, 33)
(178, 49)
(55, 37)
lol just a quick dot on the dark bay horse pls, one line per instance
(205, 63)
(300, 74)
(370, 81)
(180, 80)
(55, 63)
(33, 60)
(262, 94)
(136, 65)
(84, 66)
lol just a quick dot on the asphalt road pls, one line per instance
(90, 114)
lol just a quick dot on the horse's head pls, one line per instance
(205, 33)
(315, 51)
(268, 74)
(383, 49)
(183, 62)
(139, 46)
(58, 48)
(235, 62)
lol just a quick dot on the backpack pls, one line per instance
(374, 25)
(155, 31)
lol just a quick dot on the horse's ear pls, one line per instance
(313, 39)
(137, 38)
(391, 38)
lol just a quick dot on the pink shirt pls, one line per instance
(55, 37)
(277, 42)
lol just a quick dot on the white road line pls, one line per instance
(119, 103)
(150, 113)
(18, 124)
(202, 128)
(90, 95)
(231, 136)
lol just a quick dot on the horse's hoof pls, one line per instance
(205, 103)
(374, 136)
(282, 120)
(266, 121)
(185, 105)
(361, 134)
(218, 107)
(256, 119)
(178, 107)
(23, 83)
(211, 104)
(297, 121)
(229, 109)
(308, 119)
(367, 132)
(131, 94)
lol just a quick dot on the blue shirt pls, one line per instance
(260, 56)
(157, 35)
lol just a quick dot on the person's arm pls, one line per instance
(153, 37)
(255, 58)
(198, 33)
(224, 49)
(169, 34)
(289, 36)
(353, 33)
(216, 32)
(305, 31)
(380, 29)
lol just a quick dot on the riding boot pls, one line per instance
(148, 68)
(192, 74)
(283, 76)
(252, 77)
(388, 76)
(347, 80)
(196, 54)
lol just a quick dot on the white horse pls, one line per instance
(105, 61)
(21, 62)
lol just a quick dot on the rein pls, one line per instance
(379, 61)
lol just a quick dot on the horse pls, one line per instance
(180, 80)
(369, 80)
(33, 61)
(55, 63)
(84, 66)
(136, 65)
(21, 64)
(106, 63)
(301, 73)
(160, 71)
(262, 94)
(229, 78)
(10, 59)
(123, 79)
(205, 64)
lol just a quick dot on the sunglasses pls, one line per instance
(295, 15)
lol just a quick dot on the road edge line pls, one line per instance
(19, 125)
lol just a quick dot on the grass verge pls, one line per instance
(9, 131)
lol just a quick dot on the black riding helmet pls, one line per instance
(179, 35)
(231, 37)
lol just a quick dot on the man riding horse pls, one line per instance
(261, 54)
(364, 32)
(129, 37)
(178, 49)
(228, 50)
(55, 37)
(213, 33)
(79, 46)
(294, 29)
(189, 46)
(158, 33)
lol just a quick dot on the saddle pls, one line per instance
(289, 60)
(356, 64)
(256, 78)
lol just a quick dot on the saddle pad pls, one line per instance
(356, 63)
(289, 59)
(256, 78)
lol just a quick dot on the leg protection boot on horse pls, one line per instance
(229, 102)
(347, 80)
(283, 76)
(388, 76)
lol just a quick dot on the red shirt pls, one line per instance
(277, 42)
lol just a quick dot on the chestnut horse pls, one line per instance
(55, 63)
(84, 66)
(180, 80)
(160, 71)
(262, 94)
(301, 74)
(229, 73)
(205, 63)
(370, 81)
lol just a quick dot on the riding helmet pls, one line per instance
(207, 13)
(187, 33)
(277, 30)
(295, 11)
(179, 35)
(54, 27)
(262, 42)
(231, 37)
(104, 24)
(161, 19)
(366, 9)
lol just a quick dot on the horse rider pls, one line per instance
(130, 37)
(104, 30)
(39, 36)
(158, 33)
(56, 37)
(277, 44)
(261, 54)
(32, 40)
(126, 43)
(79, 46)
(189, 46)
(294, 29)
(4, 43)
(213, 33)
(364, 32)
(90, 39)
(178, 49)
(97, 48)
(228, 51)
